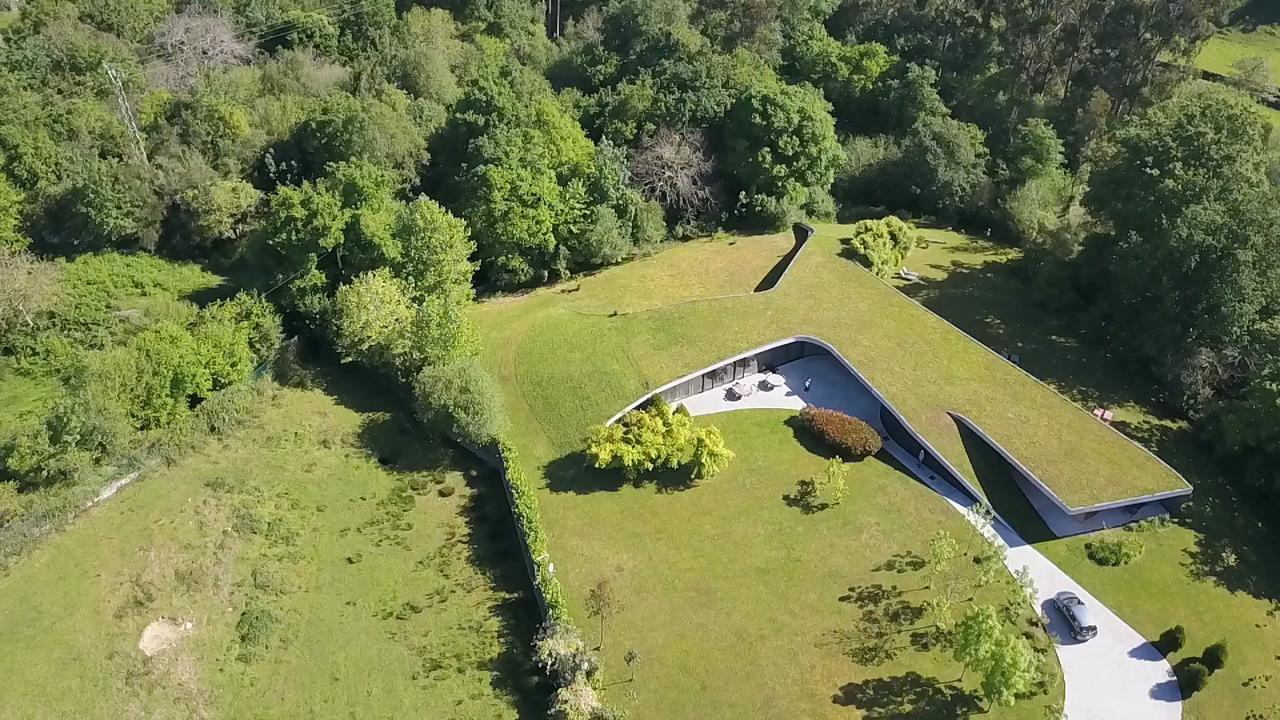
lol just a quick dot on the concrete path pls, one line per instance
(1116, 676)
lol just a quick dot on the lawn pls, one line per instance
(611, 339)
(334, 562)
(739, 601)
(1186, 574)
(1228, 46)
(21, 395)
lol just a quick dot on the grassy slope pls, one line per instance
(1182, 577)
(1228, 46)
(539, 342)
(296, 515)
(734, 599)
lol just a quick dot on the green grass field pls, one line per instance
(616, 337)
(323, 569)
(1186, 575)
(1228, 46)
(743, 603)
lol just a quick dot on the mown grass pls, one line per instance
(1218, 571)
(588, 337)
(323, 570)
(1227, 47)
(742, 605)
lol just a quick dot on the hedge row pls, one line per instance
(524, 506)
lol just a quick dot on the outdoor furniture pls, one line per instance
(1103, 414)
(909, 275)
(771, 381)
(740, 390)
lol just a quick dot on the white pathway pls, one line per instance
(1116, 676)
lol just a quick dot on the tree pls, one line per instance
(435, 250)
(977, 639)
(990, 561)
(28, 288)
(193, 42)
(560, 651)
(11, 202)
(884, 244)
(370, 317)
(1185, 271)
(710, 455)
(653, 438)
(378, 126)
(945, 163)
(676, 169)
(219, 210)
(1011, 670)
(943, 549)
(463, 398)
(833, 480)
(603, 603)
(779, 149)
(429, 52)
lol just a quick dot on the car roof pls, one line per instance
(1083, 616)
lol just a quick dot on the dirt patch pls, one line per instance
(163, 634)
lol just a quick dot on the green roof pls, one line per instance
(573, 355)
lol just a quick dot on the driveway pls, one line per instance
(1116, 676)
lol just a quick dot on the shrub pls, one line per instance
(1192, 677)
(1215, 656)
(254, 629)
(851, 437)
(1172, 640)
(1114, 551)
(883, 244)
(463, 398)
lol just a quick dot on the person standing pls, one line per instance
(808, 383)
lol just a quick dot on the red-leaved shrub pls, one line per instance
(851, 437)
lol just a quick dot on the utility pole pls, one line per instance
(126, 112)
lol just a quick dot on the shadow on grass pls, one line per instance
(392, 436)
(908, 696)
(1236, 545)
(995, 477)
(991, 302)
(494, 547)
(574, 473)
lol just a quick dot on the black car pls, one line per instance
(1077, 615)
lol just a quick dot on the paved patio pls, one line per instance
(833, 387)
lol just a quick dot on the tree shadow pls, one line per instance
(885, 615)
(902, 562)
(991, 302)
(910, 696)
(805, 504)
(494, 548)
(994, 475)
(808, 439)
(1236, 543)
(391, 434)
(574, 473)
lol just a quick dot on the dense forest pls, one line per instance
(366, 167)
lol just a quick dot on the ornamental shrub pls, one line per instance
(1192, 677)
(1172, 640)
(1114, 551)
(1215, 656)
(851, 437)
